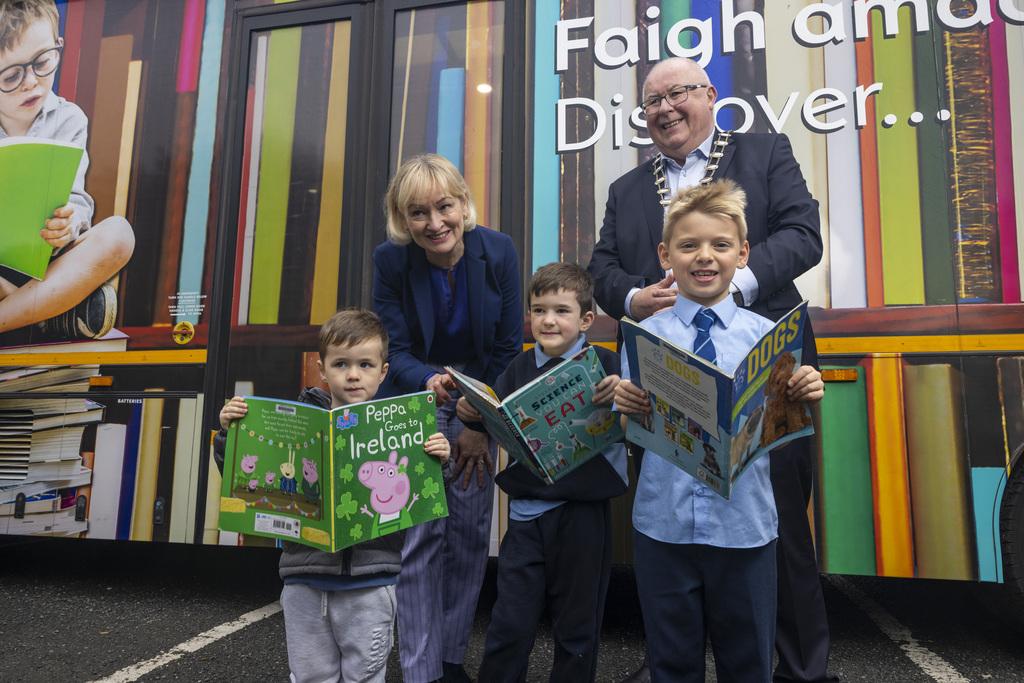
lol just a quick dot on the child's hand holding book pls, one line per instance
(604, 391)
(235, 409)
(437, 445)
(631, 399)
(57, 232)
(805, 385)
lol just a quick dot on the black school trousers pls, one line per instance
(560, 561)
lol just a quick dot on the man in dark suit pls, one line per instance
(785, 241)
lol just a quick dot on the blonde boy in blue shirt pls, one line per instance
(705, 565)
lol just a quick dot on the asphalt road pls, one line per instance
(85, 610)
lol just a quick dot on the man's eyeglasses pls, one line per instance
(677, 94)
(44, 64)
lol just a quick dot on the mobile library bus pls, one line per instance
(248, 144)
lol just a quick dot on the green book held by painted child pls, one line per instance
(36, 176)
(331, 478)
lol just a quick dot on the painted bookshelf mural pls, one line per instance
(908, 474)
(289, 233)
(77, 457)
(917, 302)
(909, 133)
(446, 93)
(918, 191)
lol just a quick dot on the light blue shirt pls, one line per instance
(525, 509)
(684, 177)
(673, 507)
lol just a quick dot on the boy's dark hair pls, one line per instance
(351, 326)
(16, 15)
(568, 276)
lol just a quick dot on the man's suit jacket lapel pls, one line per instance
(727, 156)
(654, 213)
(419, 281)
(476, 279)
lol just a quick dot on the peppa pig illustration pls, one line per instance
(310, 483)
(268, 480)
(248, 466)
(288, 474)
(389, 491)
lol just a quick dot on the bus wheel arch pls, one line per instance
(1011, 528)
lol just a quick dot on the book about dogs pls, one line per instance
(710, 423)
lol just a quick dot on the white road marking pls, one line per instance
(930, 663)
(136, 671)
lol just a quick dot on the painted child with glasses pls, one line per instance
(73, 299)
(705, 565)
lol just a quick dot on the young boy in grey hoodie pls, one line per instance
(339, 608)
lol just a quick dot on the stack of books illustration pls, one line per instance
(45, 473)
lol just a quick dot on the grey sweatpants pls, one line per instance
(338, 635)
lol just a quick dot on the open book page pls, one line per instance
(762, 418)
(557, 416)
(274, 464)
(383, 480)
(329, 479)
(707, 422)
(496, 420)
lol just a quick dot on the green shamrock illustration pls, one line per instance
(414, 405)
(438, 509)
(429, 419)
(420, 468)
(340, 442)
(345, 473)
(430, 488)
(356, 532)
(346, 507)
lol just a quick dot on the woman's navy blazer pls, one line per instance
(402, 298)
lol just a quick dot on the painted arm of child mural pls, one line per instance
(57, 230)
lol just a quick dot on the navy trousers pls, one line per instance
(689, 592)
(562, 561)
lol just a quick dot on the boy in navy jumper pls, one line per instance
(556, 553)
(706, 565)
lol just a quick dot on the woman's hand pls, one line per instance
(466, 412)
(441, 384)
(235, 409)
(437, 445)
(57, 232)
(472, 455)
(805, 385)
(631, 399)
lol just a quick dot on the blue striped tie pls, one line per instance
(702, 344)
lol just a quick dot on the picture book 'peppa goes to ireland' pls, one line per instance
(36, 176)
(551, 424)
(330, 479)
